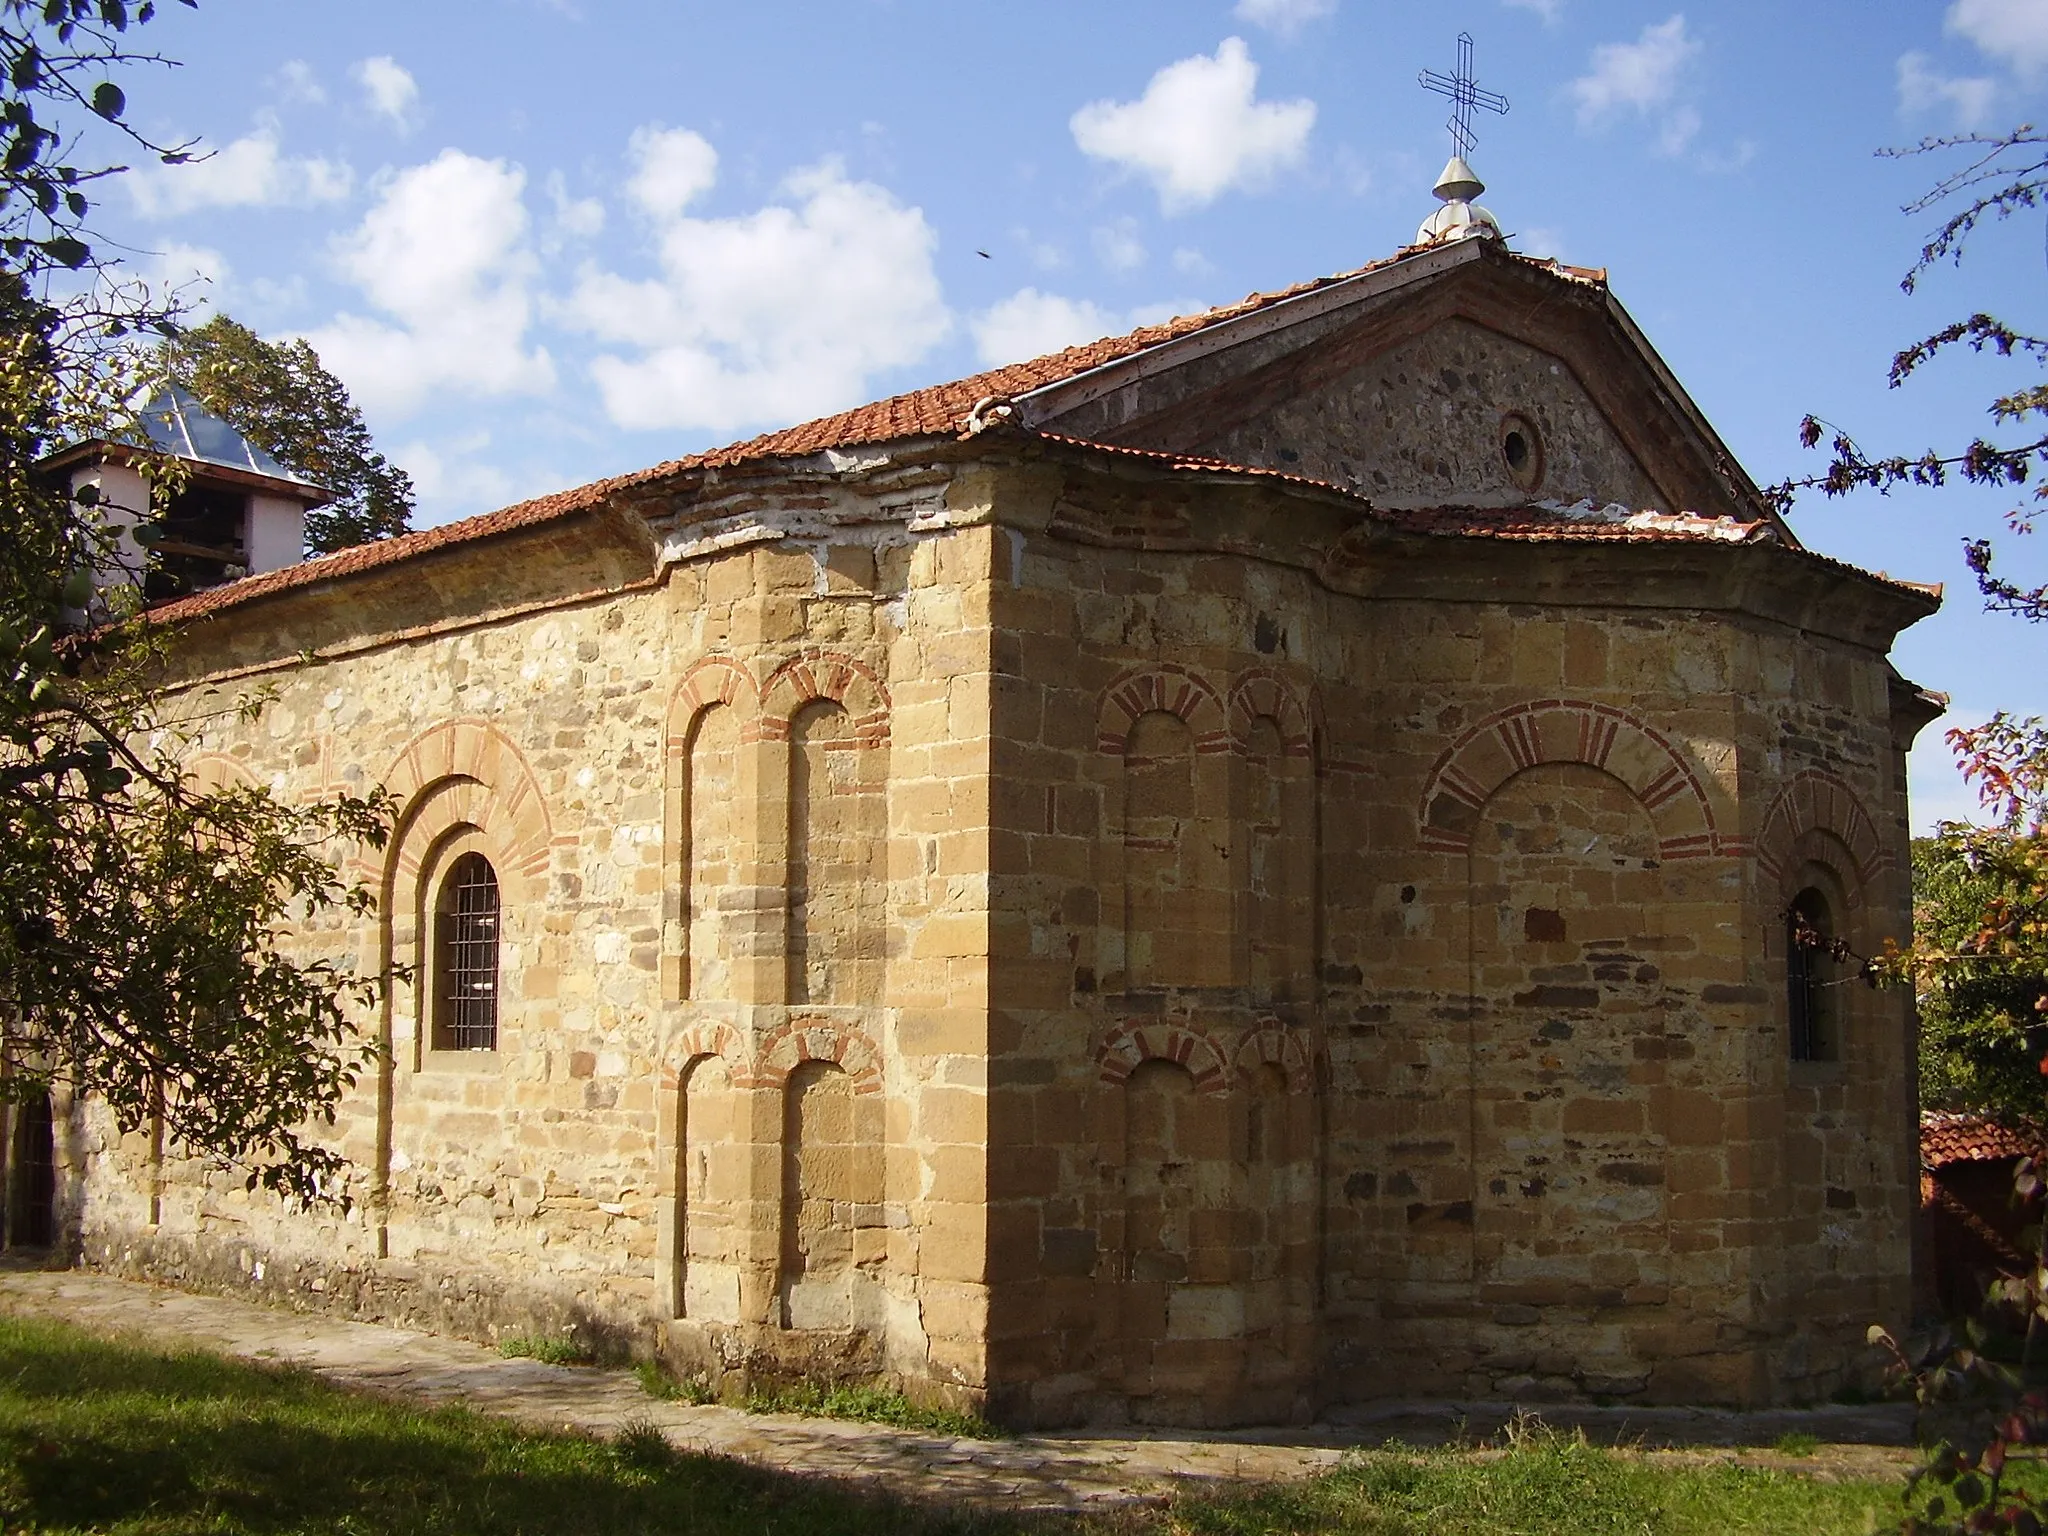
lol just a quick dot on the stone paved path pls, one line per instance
(1030, 1472)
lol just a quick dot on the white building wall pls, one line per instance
(275, 535)
(123, 503)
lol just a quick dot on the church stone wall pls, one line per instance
(1090, 962)
(1424, 424)
(734, 1112)
(1524, 1040)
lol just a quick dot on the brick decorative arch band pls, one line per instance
(1264, 694)
(1162, 688)
(699, 1041)
(813, 674)
(1502, 745)
(815, 1039)
(1817, 801)
(716, 680)
(1135, 1042)
(466, 772)
(213, 771)
(1272, 1046)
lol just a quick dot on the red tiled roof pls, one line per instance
(1555, 524)
(940, 410)
(1956, 1138)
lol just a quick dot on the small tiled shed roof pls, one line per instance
(1959, 1138)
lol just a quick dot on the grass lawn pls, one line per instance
(105, 1436)
(1550, 1483)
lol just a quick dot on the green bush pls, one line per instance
(544, 1348)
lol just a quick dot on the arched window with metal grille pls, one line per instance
(466, 957)
(1810, 966)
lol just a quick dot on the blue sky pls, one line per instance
(548, 240)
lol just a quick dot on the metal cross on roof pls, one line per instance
(1464, 93)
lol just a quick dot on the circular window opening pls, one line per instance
(1521, 450)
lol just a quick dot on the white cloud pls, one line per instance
(388, 88)
(1645, 77)
(1118, 247)
(1538, 240)
(177, 264)
(455, 478)
(1190, 262)
(296, 82)
(575, 218)
(444, 253)
(764, 317)
(1286, 17)
(2012, 31)
(672, 168)
(1030, 324)
(1198, 132)
(1924, 89)
(1549, 10)
(251, 172)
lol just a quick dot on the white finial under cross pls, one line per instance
(1465, 94)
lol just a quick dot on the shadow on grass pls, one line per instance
(109, 1436)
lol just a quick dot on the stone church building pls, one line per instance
(1281, 859)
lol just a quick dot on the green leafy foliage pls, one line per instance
(1980, 948)
(141, 963)
(1982, 982)
(139, 910)
(278, 396)
(55, 55)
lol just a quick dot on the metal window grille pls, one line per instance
(468, 959)
(1806, 957)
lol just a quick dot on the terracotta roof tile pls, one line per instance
(942, 410)
(1553, 523)
(1956, 1138)
(938, 410)
(365, 557)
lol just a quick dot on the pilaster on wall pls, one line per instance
(828, 968)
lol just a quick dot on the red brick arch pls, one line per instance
(216, 771)
(713, 681)
(697, 1041)
(467, 772)
(815, 673)
(1488, 754)
(1817, 801)
(1161, 688)
(1263, 693)
(1271, 1045)
(809, 1038)
(1136, 1041)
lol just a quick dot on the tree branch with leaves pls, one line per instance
(165, 943)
